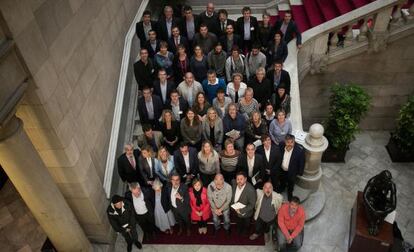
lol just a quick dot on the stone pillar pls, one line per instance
(35, 184)
(315, 144)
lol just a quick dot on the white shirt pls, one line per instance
(247, 30)
(267, 153)
(139, 204)
(187, 162)
(250, 164)
(173, 199)
(149, 161)
(286, 159)
(163, 86)
(238, 192)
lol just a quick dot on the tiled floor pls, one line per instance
(329, 231)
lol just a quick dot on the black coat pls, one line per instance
(262, 91)
(254, 28)
(183, 106)
(297, 160)
(139, 29)
(211, 22)
(229, 22)
(196, 26)
(118, 221)
(152, 52)
(258, 167)
(157, 90)
(149, 199)
(281, 54)
(144, 74)
(125, 169)
(284, 78)
(183, 205)
(291, 32)
(272, 165)
(179, 162)
(145, 170)
(236, 41)
(172, 47)
(162, 28)
(142, 109)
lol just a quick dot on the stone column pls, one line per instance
(315, 144)
(32, 180)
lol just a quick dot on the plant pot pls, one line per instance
(334, 155)
(396, 154)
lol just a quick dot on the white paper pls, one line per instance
(391, 217)
(254, 181)
(233, 133)
(238, 205)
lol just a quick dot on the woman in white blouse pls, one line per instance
(209, 162)
(236, 88)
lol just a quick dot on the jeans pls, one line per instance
(226, 219)
(295, 245)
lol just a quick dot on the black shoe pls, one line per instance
(129, 247)
(138, 244)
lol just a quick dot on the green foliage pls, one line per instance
(347, 105)
(404, 134)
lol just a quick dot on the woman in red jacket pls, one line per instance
(200, 206)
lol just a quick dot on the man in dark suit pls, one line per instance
(144, 70)
(186, 162)
(278, 75)
(244, 193)
(128, 164)
(289, 29)
(230, 39)
(272, 159)
(143, 27)
(122, 219)
(252, 165)
(177, 39)
(224, 21)
(190, 26)
(149, 108)
(248, 28)
(146, 164)
(153, 44)
(179, 201)
(210, 18)
(166, 22)
(163, 86)
(293, 164)
(177, 105)
(143, 202)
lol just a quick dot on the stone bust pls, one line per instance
(380, 199)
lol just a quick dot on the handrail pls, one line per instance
(294, 64)
(113, 142)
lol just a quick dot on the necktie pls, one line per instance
(132, 162)
(236, 96)
(222, 26)
(176, 42)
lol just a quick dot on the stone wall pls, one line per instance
(388, 77)
(73, 50)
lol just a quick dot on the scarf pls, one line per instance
(197, 195)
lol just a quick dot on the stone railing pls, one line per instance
(123, 120)
(378, 23)
(235, 6)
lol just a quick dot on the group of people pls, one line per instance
(211, 143)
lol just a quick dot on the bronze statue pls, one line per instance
(380, 199)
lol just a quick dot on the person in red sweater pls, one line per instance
(200, 205)
(291, 220)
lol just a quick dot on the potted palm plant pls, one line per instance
(347, 105)
(401, 144)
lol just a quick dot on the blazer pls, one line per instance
(211, 22)
(119, 221)
(125, 169)
(229, 22)
(142, 109)
(247, 197)
(281, 54)
(144, 74)
(142, 140)
(162, 27)
(284, 78)
(218, 131)
(254, 28)
(157, 90)
(183, 41)
(152, 52)
(204, 207)
(297, 160)
(160, 170)
(236, 41)
(179, 162)
(183, 29)
(139, 29)
(258, 167)
(149, 199)
(146, 171)
(183, 205)
(272, 165)
(277, 200)
(183, 104)
(292, 31)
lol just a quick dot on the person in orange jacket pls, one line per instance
(291, 220)
(200, 205)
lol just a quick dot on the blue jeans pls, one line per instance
(284, 246)
(226, 219)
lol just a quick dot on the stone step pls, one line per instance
(314, 203)
(302, 193)
(99, 247)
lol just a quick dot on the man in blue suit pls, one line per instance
(293, 164)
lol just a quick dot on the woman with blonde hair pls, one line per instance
(164, 218)
(229, 156)
(213, 128)
(209, 162)
(247, 105)
(164, 164)
(255, 128)
(170, 129)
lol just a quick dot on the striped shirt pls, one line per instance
(229, 162)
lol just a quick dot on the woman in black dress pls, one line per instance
(170, 129)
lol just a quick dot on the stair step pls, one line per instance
(328, 9)
(313, 13)
(302, 193)
(314, 204)
(300, 17)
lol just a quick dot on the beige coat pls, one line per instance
(276, 202)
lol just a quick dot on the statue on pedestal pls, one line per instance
(380, 199)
